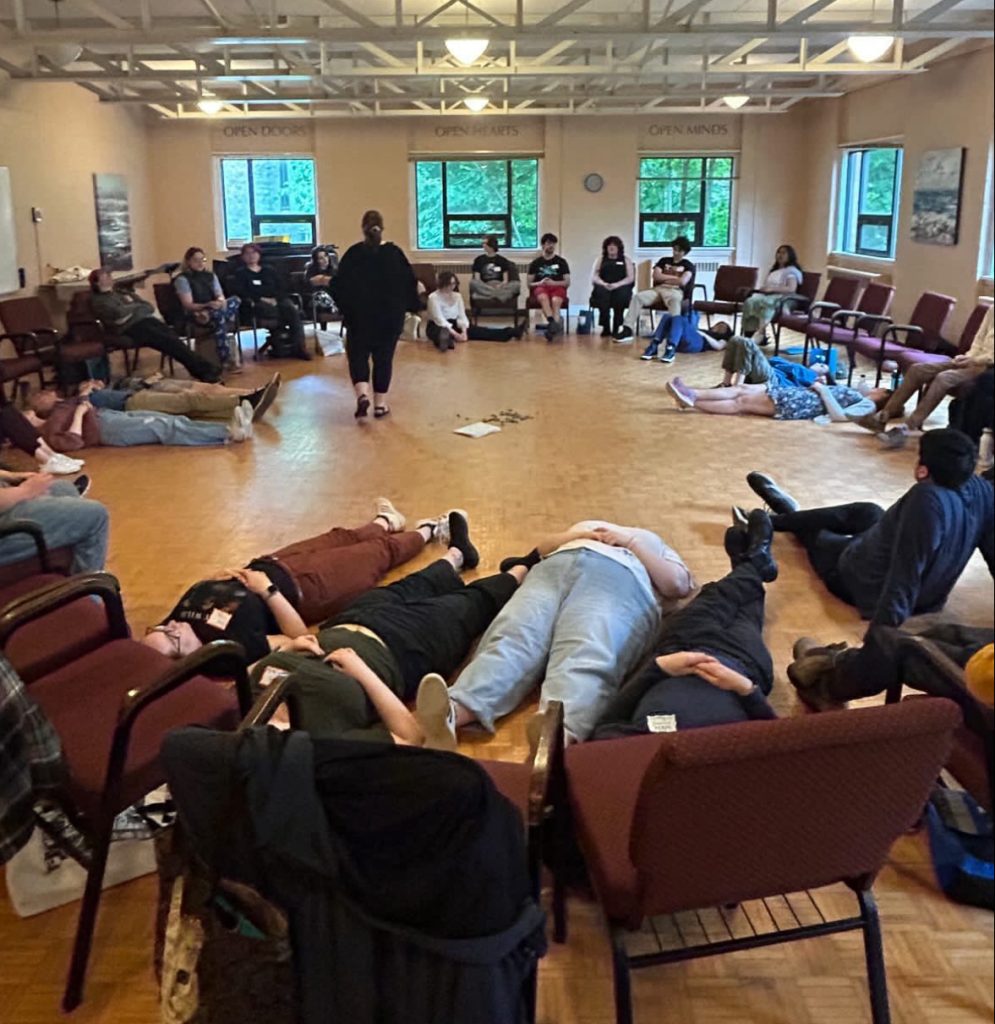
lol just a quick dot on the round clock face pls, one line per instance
(594, 183)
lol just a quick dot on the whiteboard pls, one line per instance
(8, 240)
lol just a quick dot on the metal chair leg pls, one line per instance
(620, 975)
(877, 980)
(73, 995)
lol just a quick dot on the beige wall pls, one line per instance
(54, 138)
(950, 105)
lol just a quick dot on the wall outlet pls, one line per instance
(36, 215)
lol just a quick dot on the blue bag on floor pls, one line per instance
(960, 841)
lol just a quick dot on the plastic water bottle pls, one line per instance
(986, 451)
(862, 386)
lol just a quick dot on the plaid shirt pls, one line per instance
(30, 760)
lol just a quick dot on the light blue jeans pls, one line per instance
(67, 520)
(581, 622)
(122, 429)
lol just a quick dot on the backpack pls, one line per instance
(961, 844)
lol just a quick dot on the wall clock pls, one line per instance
(594, 182)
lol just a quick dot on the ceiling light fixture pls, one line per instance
(736, 101)
(210, 105)
(868, 49)
(476, 103)
(467, 51)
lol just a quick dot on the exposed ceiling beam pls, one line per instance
(351, 13)
(800, 17)
(213, 11)
(932, 53)
(930, 15)
(560, 13)
(101, 12)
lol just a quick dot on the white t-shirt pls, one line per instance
(782, 277)
(442, 308)
(647, 541)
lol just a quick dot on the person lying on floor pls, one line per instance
(351, 681)
(584, 618)
(891, 564)
(448, 322)
(828, 675)
(680, 334)
(68, 424)
(744, 363)
(16, 428)
(777, 401)
(268, 604)
(712, 666)
(182, 398)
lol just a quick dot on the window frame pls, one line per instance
(473, 239)
(696, 218)
(256, 219)
(850, 222)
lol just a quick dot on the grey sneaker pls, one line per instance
(385, 510)
(436, 713)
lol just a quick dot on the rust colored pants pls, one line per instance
(334, 568)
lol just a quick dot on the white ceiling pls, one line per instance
(353, 58)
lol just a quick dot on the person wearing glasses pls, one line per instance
(205, 303)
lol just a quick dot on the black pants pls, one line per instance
(826, 533)
(364, 343)
(16, 428)
(726, 618)
(611, 304)
(430, 619)
(885, 660)
(290, 315)
(443, 340)
(155, 334)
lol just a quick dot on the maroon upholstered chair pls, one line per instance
(732, 285)
(841, 293)
(923, 332)
(29, 327)
(86, 328)
(718, 816)
(797, 301)
(971, 758)
(497, 307)
(912, 356)
(111, 708)
(864, 320)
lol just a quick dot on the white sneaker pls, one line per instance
(61, 465)
(236, 426)
(247, 412)
(442, 533)
(436, 713)
(385, 510)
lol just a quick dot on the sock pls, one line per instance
(533, 558)
(459, 538)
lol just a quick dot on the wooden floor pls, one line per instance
(603, 441)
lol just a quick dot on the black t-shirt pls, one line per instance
(555, 268)
(263, 283)
(491, 268)
(612, 271)
(668, 266)
(226, 610)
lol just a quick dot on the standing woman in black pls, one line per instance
(612, 279)
(374, 288)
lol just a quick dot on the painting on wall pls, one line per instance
(110, 194)
(936, 198)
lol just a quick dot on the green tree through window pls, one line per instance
(686, 195)
(269, 196)
(870, 188)
(459, 201)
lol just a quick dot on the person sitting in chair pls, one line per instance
(205, 304)
(261, 285)
(673, 284)
(127, 313)
(549, 279)
(318, 276)
(492, 276)
(784, 278)
(448, 322)
(612, 278)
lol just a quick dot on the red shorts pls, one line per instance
(550, 289)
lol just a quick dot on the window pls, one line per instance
(269, 196)
(870, 185)
(686, 195)
(459, 201)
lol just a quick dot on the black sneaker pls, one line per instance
(669, 354)
(529, 560)
(623, 334)
(778, 501)
(759, 537)
(650, 352)
(459, 538)
(82, 485)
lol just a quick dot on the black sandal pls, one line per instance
(362, 407)
(379, 411)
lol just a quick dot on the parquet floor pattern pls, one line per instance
(603, 442)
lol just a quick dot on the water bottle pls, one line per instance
(862, 386)
(986, 451)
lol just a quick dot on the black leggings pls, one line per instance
(473, 333)
(430, 619)
(826, 533)
(15, 427)
(611, 303)
(155, 334)
(363, 344)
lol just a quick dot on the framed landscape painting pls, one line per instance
(110, 194)
(936, 197)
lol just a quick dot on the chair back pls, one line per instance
(843, 291)
(973, 325)
(25, 316)
(169, 305)
(80, 318)
(426, 274)
(931, 314)
(734, 283)
(745, 811)
(877, 299)
(810, 285)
